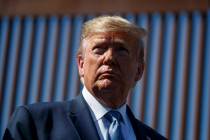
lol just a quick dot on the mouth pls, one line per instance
(108, 75)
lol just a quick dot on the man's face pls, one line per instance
(109, 66)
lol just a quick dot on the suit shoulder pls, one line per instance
(39, 110)
(47, 106)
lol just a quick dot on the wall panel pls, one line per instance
(38, 63)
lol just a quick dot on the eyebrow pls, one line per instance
(104, 40)
(116, 44)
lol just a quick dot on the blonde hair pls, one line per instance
(111, 24)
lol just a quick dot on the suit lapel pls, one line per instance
(142, 131)
(82, 119)
(135, 124)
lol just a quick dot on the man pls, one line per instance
(110, 62)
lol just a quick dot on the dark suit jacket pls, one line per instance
(70, 120)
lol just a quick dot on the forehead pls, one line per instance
(112, 37)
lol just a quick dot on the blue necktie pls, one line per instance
(114, 132)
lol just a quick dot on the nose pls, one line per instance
(109, 57)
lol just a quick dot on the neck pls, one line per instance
(112, 103)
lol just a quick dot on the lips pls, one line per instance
(107, 72)
(108, 75)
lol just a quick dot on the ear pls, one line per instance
(80, 64)
(140, 70)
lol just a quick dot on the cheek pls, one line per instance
(129, 70)
(125, 65)
(90, 67)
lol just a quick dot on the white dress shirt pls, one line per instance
(98, 111)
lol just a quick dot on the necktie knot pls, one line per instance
(113, 115)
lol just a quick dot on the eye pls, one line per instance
(122, 50)
(99, 50)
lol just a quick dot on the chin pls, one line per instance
(107, 84)
(104, 88)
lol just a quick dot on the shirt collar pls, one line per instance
(98, 109)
